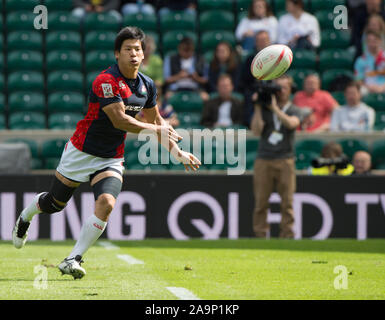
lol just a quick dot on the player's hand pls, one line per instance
(188, 159)
(168, 132)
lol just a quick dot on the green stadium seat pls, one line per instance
(64, 120)
(280, 6)
(53, 148)
(26, 101)
(314, 145)
(66, 102)
(32, 144)
(16, 5)
(91, 76)
(243, 5)
(184, 101)
(1, 42)
(187, 119)
(331, 74)
(20, 20)
(335, 57)
(26, 121)
(24, 60)
(350, 146)
(51, 163)
(378, 154)
(171, 39)
(177, 20)
(24, 40)
(335, 39)
(317, 5)
(63, 21)
(325, 19)
(299, 76)
(2, 103)
(58, 40)
(216, 20)
(147, 22)
(304, 59)
(65, 81)
(339, 96)
(1, 82)
(25, 80)
(105, 21)
(210, 39)
(304, 158)
(380, 121)
(58, 5)
(99, 60)
(1, 62)
(2, 122)
(99, 40)
(204, 5)
(64, 60)
(375, 100)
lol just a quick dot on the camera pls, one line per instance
(265, 89)
(339, 162)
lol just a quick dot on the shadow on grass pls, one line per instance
(330, 245)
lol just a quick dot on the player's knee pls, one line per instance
(48, 204)
(106, 203)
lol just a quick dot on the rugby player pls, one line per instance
(95, 151)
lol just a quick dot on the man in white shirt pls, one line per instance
(298, 29)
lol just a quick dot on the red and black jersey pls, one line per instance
(95, 134)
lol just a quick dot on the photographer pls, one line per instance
(275, 120)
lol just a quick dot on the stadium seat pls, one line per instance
(147, 22)
(59, 40)
(335, 39)
(339, 96)
(204, 5)
(63, 21)
(24, 40)
(331, 74)
(64, 120)
(53, 148)
(380, 121)
(99, 40)
(65, 80)
(210, 39)
(32, 144)
(216, 20)
(304, 59)
(27, 121)
(25, 60)
(90, 79)
(280, 6)
(186, 101)
(350, 146)
(378, 154)
(299, 76)
(16, 5)
(314, 145)
(304, 158)
(58, 5)
(325, 19)
(1, 82)
(2, 122)
(2, 103)
(171, 39)
(20, 20)
(64, 60)
(99, 60)
(177, 20)
(26, 101)
(187, 119)
(66, 102)
(25, 80)
(335, 57)
(51, 163)
(105, 21)
(2, 62)
(317, 5)
(1, 42)
(375, 100)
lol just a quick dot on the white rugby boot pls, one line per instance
(20, 233)
(71, 266)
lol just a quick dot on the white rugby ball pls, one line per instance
(271, 62)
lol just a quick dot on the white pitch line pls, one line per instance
(129, 259)
(108, 245)
(182, 293)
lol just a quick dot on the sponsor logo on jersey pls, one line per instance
(143, 90)
(107, 90)
(122, 85)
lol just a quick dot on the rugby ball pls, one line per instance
(271, 62)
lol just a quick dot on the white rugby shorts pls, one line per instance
(77, 165)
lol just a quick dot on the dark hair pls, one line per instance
(129, 33)
(298, 3)
(332, 150)
(187, 42)
(224, 76)
(251, 14)
(354, 84)
(231, 63)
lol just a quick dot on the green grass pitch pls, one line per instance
(246, 269)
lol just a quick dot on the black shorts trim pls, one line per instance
(102, 170)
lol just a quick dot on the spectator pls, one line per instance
(225, 60)
(360, 19)
(260, 17)
(362, 163)
(137, 6)
(186, 70)
(247, 83)
(152, 64)
(82, 7)
(332, 152)
(321, 102)
(224, 110)
(166, 6)
(298, 29)
(274, 169)
(376, 24)
(370, 67)
(355, 115)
